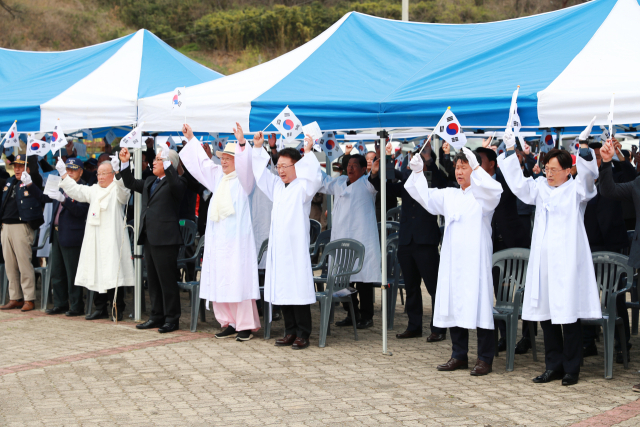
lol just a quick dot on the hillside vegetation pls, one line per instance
(226, 35)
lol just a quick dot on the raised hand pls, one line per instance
(272, 140)
(187, 132)
(388, 149)
(125, 156)
(61, 168)
(509, 140)
(26, 178)
(446, 148)
(239, 133)
(471, 158)
(308, 143)
(258, 140)
(115, 164)
(375, 167)
(416, 164)
(607, 151)
(347, 149)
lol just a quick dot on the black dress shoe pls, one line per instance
(364, 324)
(548, 376)
(502, 344)
(149, 324)
(56, 310)
(300, 343)
(436, 337)
(570, 379)
(590, 350)
(98, 314)
(620, 359)
(168, 327)
(523, 346)
(409, 334)
(74, 313)
(276, 315)
(346, 322)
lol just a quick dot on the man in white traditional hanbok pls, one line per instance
(561, 287)
(288, 277)
(105, 257)
(229, 277)
(464, 297)
(354, 217)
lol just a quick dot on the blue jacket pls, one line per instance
(73, 217)
(29, 207)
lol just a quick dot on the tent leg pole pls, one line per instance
(328, 171)
(383, 234)
(137, 249)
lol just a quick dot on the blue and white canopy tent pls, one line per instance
(93, 87)
(373, 74)
(96, 87)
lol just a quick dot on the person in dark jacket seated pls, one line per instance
(68, 221)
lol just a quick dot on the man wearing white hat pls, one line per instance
(230, 267)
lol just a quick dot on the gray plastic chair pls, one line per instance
(314, 230)
(43, 272)
(188, 230)
(342, 255)
(197, 304)
(512, 266)
(394, 278)
(265, 305)
(392, 227)
(394, 214)
(5, 284)
(610, 268)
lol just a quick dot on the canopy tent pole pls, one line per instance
(405, 10)
(137, 249)
(383, 233)
(329, 197)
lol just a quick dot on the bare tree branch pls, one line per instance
(7, 8)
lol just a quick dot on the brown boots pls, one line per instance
(24, 305)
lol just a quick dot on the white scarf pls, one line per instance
(222, 202)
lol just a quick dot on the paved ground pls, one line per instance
(56, 371)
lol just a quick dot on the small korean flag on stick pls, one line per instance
(330, 146)
(610, 117)
(133, 139)
(11, 138)
(36, 147)
(547, 142)
(449, 129)
(58, 138)
(361, 147)
(288, 125)
(220, 143)
(178, 105)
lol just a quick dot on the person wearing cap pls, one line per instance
(160, 234)
(105, 256)
(68, 219)
(561, 286)
(229, 277)
(21, 214)
(89, 174)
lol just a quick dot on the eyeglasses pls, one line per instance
(552, 171)
(105, 173)
(282, 167)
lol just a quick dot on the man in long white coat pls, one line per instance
(288, 276)
(561, 287)
(229, 277)
(105, 257)
(464, 297)
(354, 217)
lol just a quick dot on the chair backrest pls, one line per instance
(612, 274)
(512, 274)
(394, 214)
(392, 257)
(627, 250)
(263, 250)
(199, 253)
(36, 238)
(392, 227)
(314, 230)
(188, 229)
(342, 255)
(323, 239)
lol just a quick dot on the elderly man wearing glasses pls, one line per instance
(561, 287)
(105, 256)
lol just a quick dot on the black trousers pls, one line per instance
(363, 310)
(419, 263)
(64, 265)
(501, 324)
(162, 268)
(589, 332)
(562, 346)
(101, 300)
(297, 320)
(460, 343)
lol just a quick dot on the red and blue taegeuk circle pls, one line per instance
(288, 124)
(330, 144)
(54, 137)
(35, 146)
(548, 140)
(13, 134)
(175, 99)
(452, 129)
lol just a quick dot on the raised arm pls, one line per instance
(244, 164)
(125, 174)
(623, 191)
(199, 165)
(587, 167)
(429, 198)
(308, 170)
(525, 189)
(122, 193)
(80, 193)
(266, 181)
(486, 190)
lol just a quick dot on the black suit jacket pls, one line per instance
(159, 217)
(506, 224)
(73, 217)
(623, 191)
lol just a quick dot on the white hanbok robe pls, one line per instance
(561, 284)
(354, 217)
(230, 265)
(288, 275)
(464, 297)
(105, 257)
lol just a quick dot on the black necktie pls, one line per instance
(154, 185)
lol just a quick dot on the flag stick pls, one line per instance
(425, 144)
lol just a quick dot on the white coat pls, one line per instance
(464, 297)
(102, 265)
(288, 275)
(354, 217)
(230, 266)
(561, 283)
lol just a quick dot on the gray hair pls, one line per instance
(106, 162)
(174, 158)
